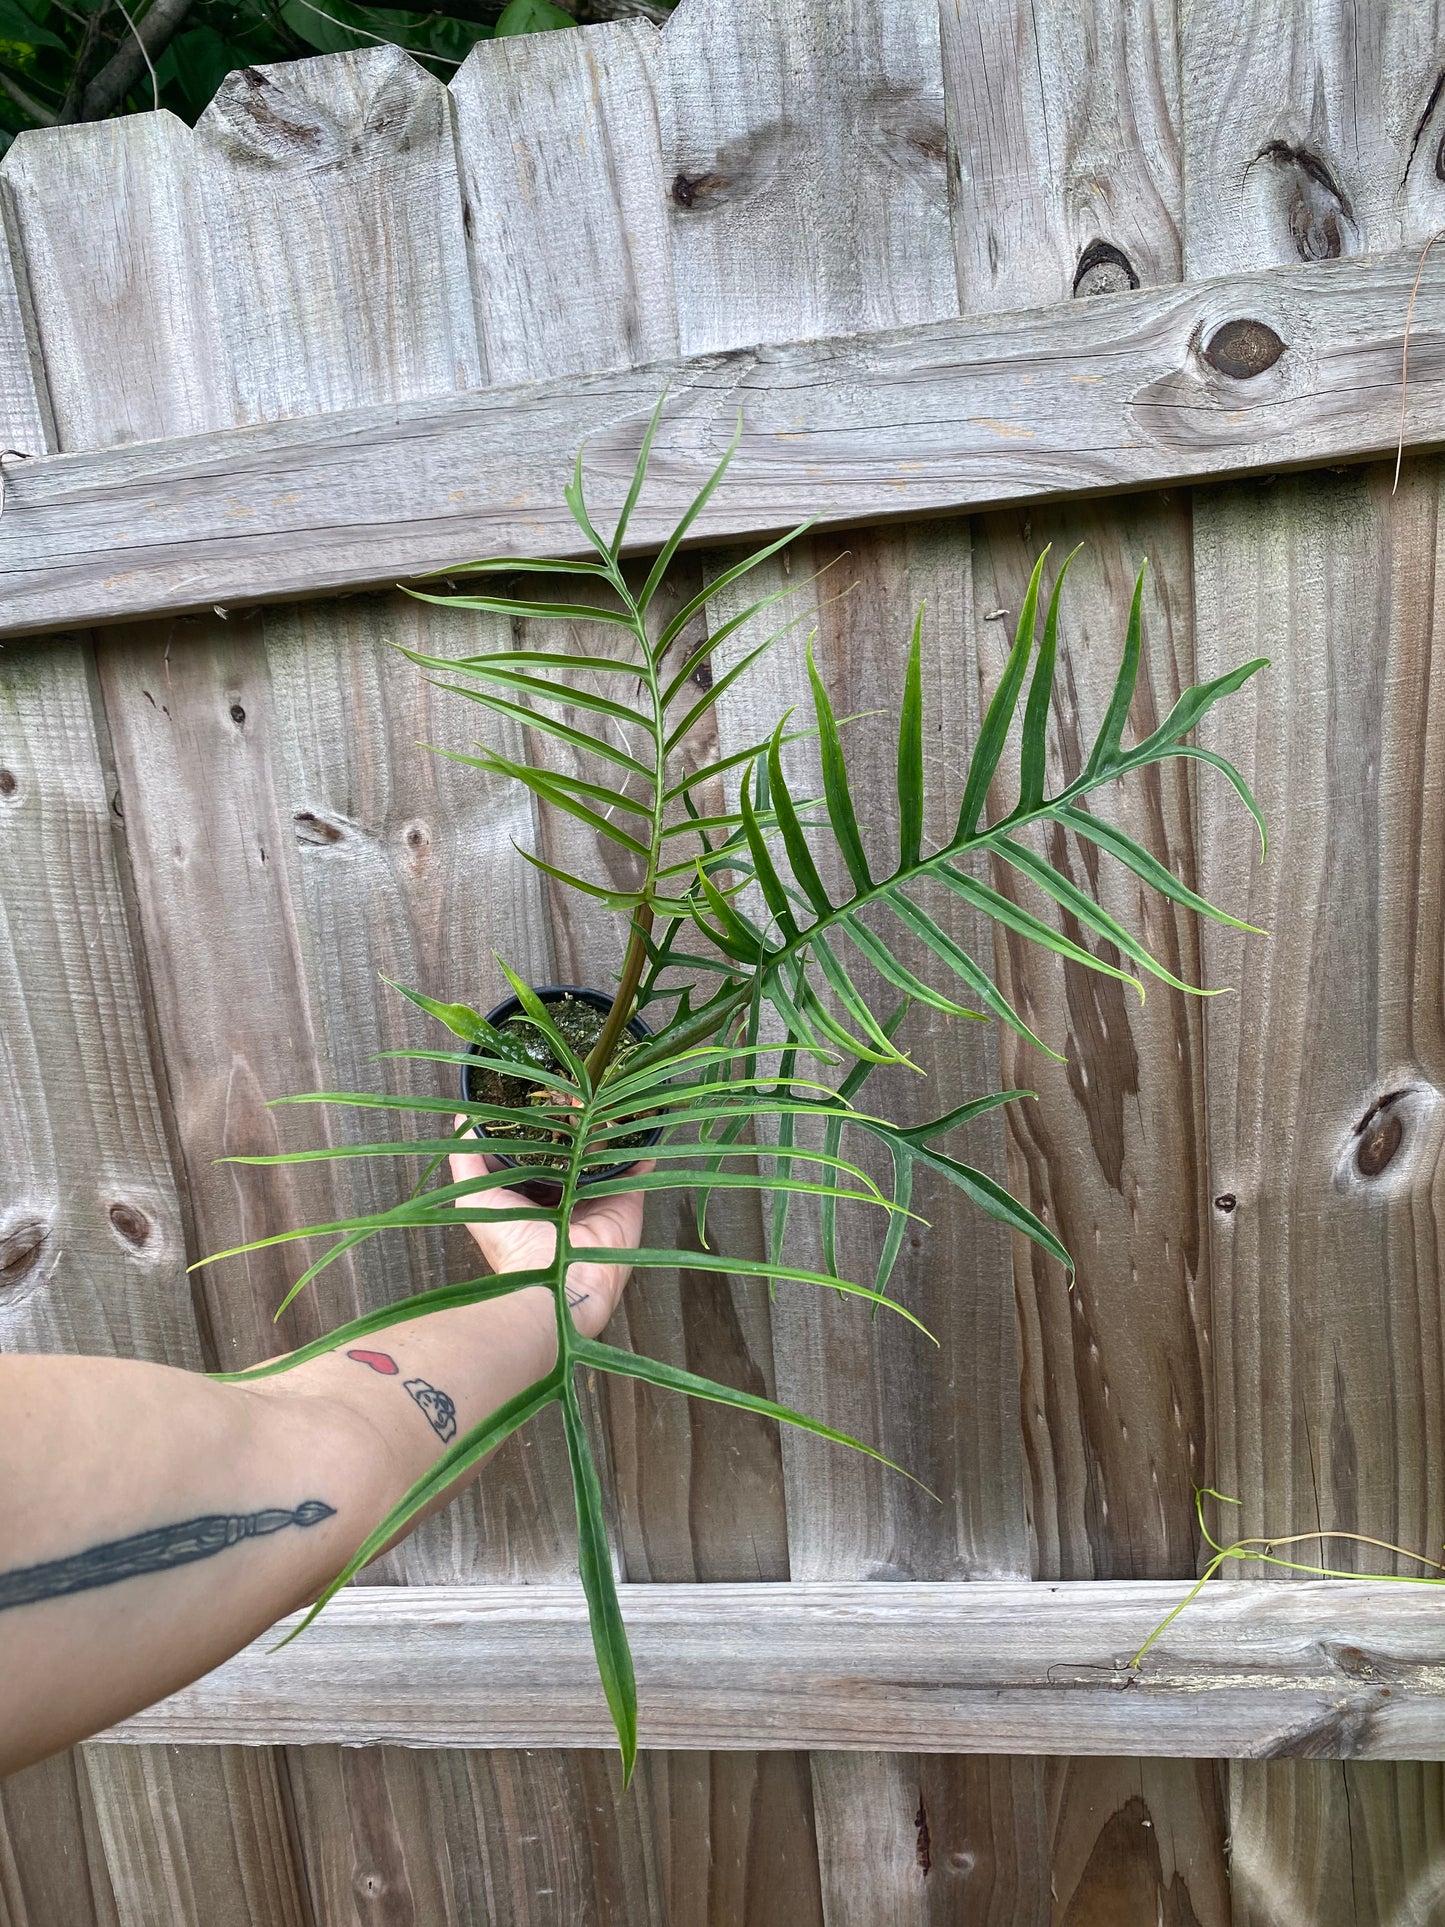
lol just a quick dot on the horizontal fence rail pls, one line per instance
(1248, 373)
(1322, 1669)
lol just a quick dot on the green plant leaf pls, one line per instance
(910, 754)
(606, 1358)
(551, 726)
(725, 581)
(872, 946)
(1106, 744)
(639, 476)
(526, 565)
(1227, 769)
(1000, 712)
(836, 794)
(1003, 910)
(1193, 704)
(473, 1291)
(959, 961)
(1078, 903)
(695, 508)
(705, 702)
(496, 764)
(530, 16)
(1148, 868)
(769, 881)
(594, 1560)
(659, 1260)
(992, 1198)
(17, 24)
(1035, 749)
(614, 899)
(460, 1019)
(795, 842)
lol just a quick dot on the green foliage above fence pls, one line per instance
(72, 60)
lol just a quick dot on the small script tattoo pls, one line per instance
(155, 1551)
(575, 1297)
(438, 1410)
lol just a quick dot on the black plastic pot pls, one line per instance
(540, 1190)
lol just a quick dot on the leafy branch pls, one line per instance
(730, 927)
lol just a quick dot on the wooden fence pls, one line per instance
(982, 262)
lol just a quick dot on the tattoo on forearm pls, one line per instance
(437, 1409)
(378, 1361)
(155, 1551)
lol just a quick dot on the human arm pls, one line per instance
(154, 1521)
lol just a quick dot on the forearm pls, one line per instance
(152, 1522)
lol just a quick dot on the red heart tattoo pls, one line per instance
(378, 1361)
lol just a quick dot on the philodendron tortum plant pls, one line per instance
(752, 999)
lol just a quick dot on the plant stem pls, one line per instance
(633, 964)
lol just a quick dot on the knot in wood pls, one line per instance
(130, 1223)
(311, 828)
(1103, 269)
(20, 1246)
(689, 189)
(8, 782)
(1379, 1141)
(238, 714)
(1315, 207)
(1243, 348)
(1225, 1202)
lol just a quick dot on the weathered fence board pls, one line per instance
(93, 1224)
(1344, 1669)
(352, 328)
(1067, 128)
(1300, 136)
(786, 224)
(564, 181)
(1095, 396)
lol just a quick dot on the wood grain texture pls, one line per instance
(1063, 127)
(807, 152)
(276, 236)
(805, 158)
(1067, 132)
(735, 1839)
(90, 1223)
(52, 1867)
(1116, 1361)
(559, 149)
(558, 141)
(1095, 396)
(1139, 1841)
(935, 1838)
(452, 1838)
(1059, 118)
(564, 194)
(949, 1415)
(206, 1837)
(330, 207)
(1347, 1669)
(1339, 1843)
(1314, 136)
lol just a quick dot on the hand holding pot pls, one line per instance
(521, 1245)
